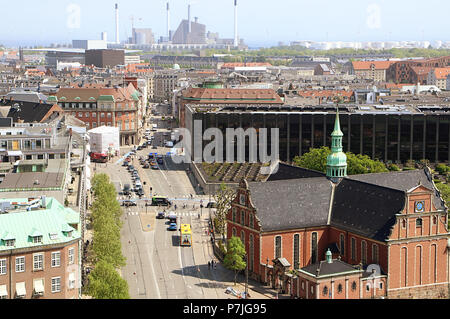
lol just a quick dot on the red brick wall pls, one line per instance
(47, 273)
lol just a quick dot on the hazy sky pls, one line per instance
(261, 22)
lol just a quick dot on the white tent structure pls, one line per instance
(104, 139)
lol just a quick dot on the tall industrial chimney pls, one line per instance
(236, 39)
(168, 21)
(189, 18)
(117, 24)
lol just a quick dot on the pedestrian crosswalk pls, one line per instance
(178, 214)
(132, 213)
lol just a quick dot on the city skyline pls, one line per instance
(372, 20)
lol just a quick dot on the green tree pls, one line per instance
(106, 283)
(223, 197)
(316, 159)
(234, 258)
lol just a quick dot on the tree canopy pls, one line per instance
(234, 258)
(316, 159)
(106, 283)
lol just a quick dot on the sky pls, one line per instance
(261, 22)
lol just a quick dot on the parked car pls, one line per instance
(161, 215)
(125, 163)
(127, 189)
(146, 165)
(172, 227)
(129, 203)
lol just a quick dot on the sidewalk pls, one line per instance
(222, 277)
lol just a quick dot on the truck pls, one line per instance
(98, 157)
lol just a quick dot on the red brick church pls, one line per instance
(330, 236)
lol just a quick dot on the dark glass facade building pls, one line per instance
(390, 137)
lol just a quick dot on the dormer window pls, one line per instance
(36, 239)
(10, 242)
(68, 233)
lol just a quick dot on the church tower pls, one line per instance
(337, 160)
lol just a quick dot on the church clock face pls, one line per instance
(420, 207)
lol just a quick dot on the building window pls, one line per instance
(10, 242)
(233, 232)
(277, 247)
(2, 266)
(342, 244)
(419, 222)
(364, 252)
(314, 252)
(303, 285)
(375, 253)
(242, 199)
(56, 284)
(80, 114)
(20, 264)
(38, 262)
(325, 291)
(312, 290)
(403, 223)
(296, 251)
(93, 114)
(102, 115)
(367, 287)
(233, 212)
(242, 217)
(251, 253)
(250, 216)
(354, 286)
(56, 259)
(37, 239)
(339, 288)
(381, 285)
(352, 248)
(71, 255)
(434, 220)
(243, 237)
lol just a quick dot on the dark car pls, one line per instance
(146, 165)
(139, 148)
(155, 147)
(172, 227)
(125, 163)
(131, 168)
(127, 189)
(161, 215)
(128, 203)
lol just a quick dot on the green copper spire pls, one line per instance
(337, 160)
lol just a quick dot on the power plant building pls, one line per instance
(196, 35)
(105, 58)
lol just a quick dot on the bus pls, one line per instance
(186, 235)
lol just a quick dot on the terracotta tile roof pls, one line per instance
(441, 73)
(85, 94)
(238, 96)
(421, 70)
(395, 86)
(366, 65)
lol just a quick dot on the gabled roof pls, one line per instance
(29, 112)
(323, 268)
(291, 204)
(367, 65)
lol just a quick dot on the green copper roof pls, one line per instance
(337, 160)
(52, 98)
(51, 223)
(106, 98)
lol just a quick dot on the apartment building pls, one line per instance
(438, 77)
(39, 250)
(371, 70)
(119, 107)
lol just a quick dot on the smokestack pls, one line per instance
(236, 39)
(117, 24)
(104, 36)
(189, 18)
(168, 21)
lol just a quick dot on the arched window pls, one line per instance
(277, 247)
(250, 216)
(234, 214)
(404, 223)
(354, 286)
(342, 244)
(353, 248)
(233, 232)
(313, 248)
(296, 251)
(375, 253)
(243, 237)
(325, 291)
(339, 288)
(419, 222)
(242, 217)
(364, 252)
